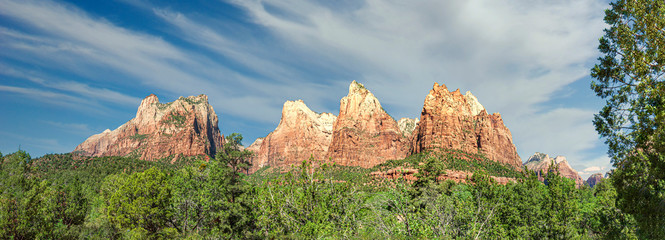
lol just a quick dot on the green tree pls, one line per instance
(233, 156)
(228, 194)
(27, 205)
(629, 76)
(140, 203)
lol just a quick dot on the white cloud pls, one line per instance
(593, 169)
(515, 56)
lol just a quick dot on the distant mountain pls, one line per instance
(185, 127)
(541, 163)
(365, 135)
(594, 179)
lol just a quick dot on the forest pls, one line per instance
(66, 196)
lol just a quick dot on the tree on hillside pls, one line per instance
(630, 76)
(232, 155)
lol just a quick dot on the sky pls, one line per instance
(71, 69)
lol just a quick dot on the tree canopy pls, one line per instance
(629, 76)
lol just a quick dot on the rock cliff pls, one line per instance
(301, 133)
(407, 126)
(187, 127)
(594, 179)
(450, 120)
(540, 163)
(364, 134)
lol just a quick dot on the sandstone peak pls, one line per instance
(186, 126)
(301, 134)
(475, 106)
(357, 88)
(364, 134)
(541, 163)
(450, 120)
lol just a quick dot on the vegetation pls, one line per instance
(66, 196)
(176, 119)
(629, 76)
(139, 137)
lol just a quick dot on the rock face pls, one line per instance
(594, 179)
(407, 126)
(364, 134)
(450, 120)
(455, 175)
(540, 163)
(187, 126)
(301, 133)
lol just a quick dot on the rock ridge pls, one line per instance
(540, 163)
(185, 127)
(450, 120)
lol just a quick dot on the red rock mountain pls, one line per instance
(540, 163)
(451, 120)
(187, 126)
(594, 179)
(364, 134)
(301, 133)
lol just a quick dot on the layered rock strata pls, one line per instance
(185, 127)
(450, 120)
(301, 134)
(542, 163)
(364, 134)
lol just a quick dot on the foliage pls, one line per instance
(176, 119)
(66, 196)
(138, 137)
(629, 76)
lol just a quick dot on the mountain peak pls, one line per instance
(186, 126)
(540, 162)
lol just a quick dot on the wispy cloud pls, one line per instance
(91, 94)
(77, 128)
(516, 56)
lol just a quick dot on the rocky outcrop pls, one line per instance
(409, 174)
(301, 134)
(407, 126)
(541, 163)
(450, 120)
(364, 134)
(594, 179)
(185, 127)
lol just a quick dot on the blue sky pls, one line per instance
(70, 69)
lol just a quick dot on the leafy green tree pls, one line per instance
(629, 76)
(561, 208)
(233, 156)
(27, 205)
(140, 203)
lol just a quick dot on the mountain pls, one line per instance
(540, 163)
(594, 179)
(450, 120)
(186, 126)
(301, 133)
(364, 134)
